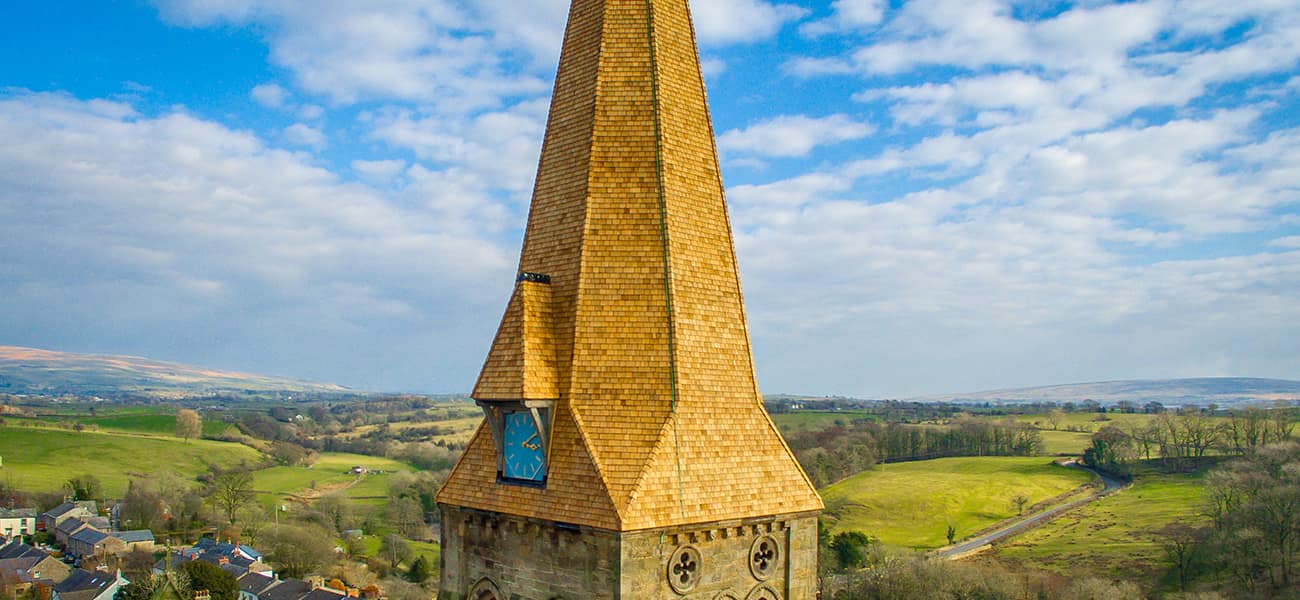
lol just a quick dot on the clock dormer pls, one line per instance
(518, 399)
(521, 431)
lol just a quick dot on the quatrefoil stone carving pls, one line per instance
(764, 557)
(684, 569)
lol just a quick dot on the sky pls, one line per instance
(927, 196)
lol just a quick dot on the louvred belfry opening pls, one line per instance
(623, 354)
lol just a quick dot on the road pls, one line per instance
(1111, 485)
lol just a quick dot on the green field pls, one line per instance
(459, 429)
(157, 424)
(1071, 443)
(910, 505)
(430, 550)
(41, 459)
(330, 473)
(816, 419)
(1112, 537)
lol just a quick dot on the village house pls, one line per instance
(17, 522)
(68, 510)
(18, 576)
(23, 564)
(252, 586)
(140, 539)
(236, 559)
(288, 589)
(89, 541)
(64, 531)
(89, 585)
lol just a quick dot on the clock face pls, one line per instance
(524, 455)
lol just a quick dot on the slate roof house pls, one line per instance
(235, 559)
(68, 510)
(229, 549)
(19, 575)
(288, 589)
(17, 549)
(253, 585)
(64, 531)
(141, 539)
(92, 542)
(89, 585)
(22, 566)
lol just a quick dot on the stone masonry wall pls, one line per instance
(519, 559)
(757, 559)
(523, 559)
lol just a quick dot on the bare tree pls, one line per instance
(395, 549)
(298, 551)
(229, 490)
(188, 424)
(1282, 424)
(1055, 416)
(1181, 542)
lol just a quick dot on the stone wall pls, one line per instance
(768, 558)
(524, 559)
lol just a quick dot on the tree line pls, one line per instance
(1182, 441)
(831, 454)
(1249, 543)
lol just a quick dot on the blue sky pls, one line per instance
(928, 196)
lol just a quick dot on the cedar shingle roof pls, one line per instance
(641, 334)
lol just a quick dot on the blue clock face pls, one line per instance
(525, 457)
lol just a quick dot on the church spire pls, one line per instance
(624, 346)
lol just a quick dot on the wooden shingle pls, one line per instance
(641, 335)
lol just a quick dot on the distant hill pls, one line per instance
(43, 372)
(1224, 391)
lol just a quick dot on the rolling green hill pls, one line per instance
(910, 504)
(42, 459)
(1117, 536)
(329, 474)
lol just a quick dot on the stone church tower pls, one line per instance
(625, 451)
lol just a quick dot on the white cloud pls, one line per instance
(379, 170)
(304, 135)
(311, 112)
(425, 50)
(1060, 192)
(270, 95)
(721, 22)
(848, 15)
(498, 148)
(792, 135)
(712, 67)
(116, 222)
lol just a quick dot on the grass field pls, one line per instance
(328, 474)
(1114, 536)
(157, 424)
(910, 505)
(459, 429)
(1064, 442)
(814, 419)
(431, 551)
(41, 459)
